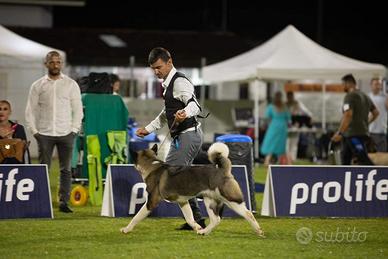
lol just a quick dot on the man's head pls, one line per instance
(53, 63)
(349, 82)
(160, 61)
(116, 83)
(375, 84)
(290, 96)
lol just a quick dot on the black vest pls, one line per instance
(172, 105)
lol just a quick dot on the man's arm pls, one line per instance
(32, 103)
(184, 91)
(156, 124)
(373, 115)
(386, 103)
(345, 121)
(76, 106)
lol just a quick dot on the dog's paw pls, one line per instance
(124, 230)
(202, 232)
(260, 233)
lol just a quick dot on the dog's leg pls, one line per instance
(141, 214)
(242, 210)
(188, 215)
(211, 206)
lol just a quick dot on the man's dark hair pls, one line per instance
(51, 54)
(114, 78)
(158, 53)
(349, 78)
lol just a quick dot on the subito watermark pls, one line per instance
(305, 236)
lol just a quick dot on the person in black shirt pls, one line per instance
(353, 130)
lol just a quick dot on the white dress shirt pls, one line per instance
(54, 107)
(183, 91)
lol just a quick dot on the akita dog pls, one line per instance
(215, 183)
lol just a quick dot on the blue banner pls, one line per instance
(129, 194)
(335, 191)
(24, 192)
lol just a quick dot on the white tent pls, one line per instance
(289, 55)
(21, 63)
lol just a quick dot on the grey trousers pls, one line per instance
(183, 150)
(64, 146)
(380, 140)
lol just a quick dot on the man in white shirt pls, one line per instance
(179, 113)
(378, 128)
(53, 115)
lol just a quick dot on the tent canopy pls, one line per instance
(289, 55)
(14, 46)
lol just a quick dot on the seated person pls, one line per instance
(10, 129)
(300, 117)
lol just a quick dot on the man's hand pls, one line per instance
(180, 116)
(141, 132)
(336, 137)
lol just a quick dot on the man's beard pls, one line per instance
(54, 72)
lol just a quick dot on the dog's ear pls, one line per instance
(155, 149)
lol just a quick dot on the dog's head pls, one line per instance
(143, 159)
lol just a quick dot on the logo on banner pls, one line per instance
(23, 187)
(24, 192)
(332, 191)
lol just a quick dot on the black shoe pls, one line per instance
(64, 208)
(186, 226)
(201, 222)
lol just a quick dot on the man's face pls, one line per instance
(347, 86)
(161, 68)
(54, 65)
(376, 86)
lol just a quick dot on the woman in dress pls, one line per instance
(275, 138)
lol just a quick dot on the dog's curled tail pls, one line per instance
(218, 154)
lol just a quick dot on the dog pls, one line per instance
(379, 158)
(215, 183)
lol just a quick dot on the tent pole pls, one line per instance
(324, 106)
(256, 118)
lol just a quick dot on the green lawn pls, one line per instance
(84, 234)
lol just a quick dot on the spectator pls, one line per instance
(353, 130)
(116, 83)
(298, 111)
(275, 138)
(10, 129)
(54, 115)
(378, 128)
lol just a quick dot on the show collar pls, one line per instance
(169, 77)
(49, 79)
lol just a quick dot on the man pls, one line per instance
(54, 115)
(378, 128)
(353, 130)
(179, 113)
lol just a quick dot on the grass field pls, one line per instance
(85, 234)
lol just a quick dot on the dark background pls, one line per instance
(356, 29)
